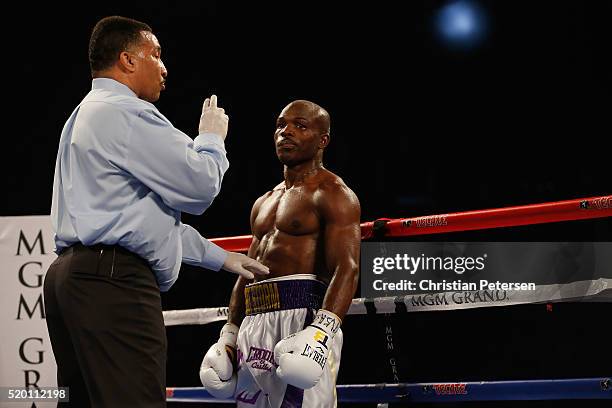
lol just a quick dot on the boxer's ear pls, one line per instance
(324, 140)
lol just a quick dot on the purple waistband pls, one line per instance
(267, 297)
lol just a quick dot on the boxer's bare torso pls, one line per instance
(287, 225)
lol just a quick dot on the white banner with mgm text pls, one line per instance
(26, 357)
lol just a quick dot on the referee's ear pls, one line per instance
(127, 62)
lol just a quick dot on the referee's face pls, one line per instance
(150, 71)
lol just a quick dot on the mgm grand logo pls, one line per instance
(428, 221)
(600, 203)
(446, 389)
(458, 298)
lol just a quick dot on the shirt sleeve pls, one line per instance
(185, 173)
(198, 251)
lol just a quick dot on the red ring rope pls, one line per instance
(569, 210)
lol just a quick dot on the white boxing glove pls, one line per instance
(301, 357)
(217, 372)
(213, 119)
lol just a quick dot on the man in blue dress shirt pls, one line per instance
(123, 176)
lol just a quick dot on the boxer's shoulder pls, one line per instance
(332, 187)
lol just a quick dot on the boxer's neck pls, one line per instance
(299, 173)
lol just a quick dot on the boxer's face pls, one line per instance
(150, 73)
(298, 135)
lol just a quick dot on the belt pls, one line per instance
(100, 251)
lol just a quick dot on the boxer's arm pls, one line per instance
(237, 304)
(341, 212)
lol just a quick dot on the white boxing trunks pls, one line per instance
(276, 308)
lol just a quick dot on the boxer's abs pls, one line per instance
(287, 254)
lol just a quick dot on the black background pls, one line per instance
(417, 129)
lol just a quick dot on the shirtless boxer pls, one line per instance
(306, 230)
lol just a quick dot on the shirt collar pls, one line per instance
(112, 85)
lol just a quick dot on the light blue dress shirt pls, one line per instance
(123, 176)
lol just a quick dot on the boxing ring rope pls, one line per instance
(576, 388)
(568, 210)
(577, 209)
(550, 389)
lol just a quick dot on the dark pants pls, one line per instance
(103, 311)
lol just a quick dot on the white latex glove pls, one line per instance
(243, 265)
(213, 119)
(301, 356)
(218, 371)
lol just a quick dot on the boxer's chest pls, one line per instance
(292, 212)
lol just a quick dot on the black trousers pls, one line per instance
(103, 312)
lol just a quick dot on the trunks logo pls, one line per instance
(261, 359)
(447, 389)
(584, 204)
(407, 223)
(169, 392)
(243, 396)
(315, 354)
